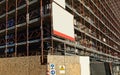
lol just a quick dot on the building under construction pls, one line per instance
(60, 27)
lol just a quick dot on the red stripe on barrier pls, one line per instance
(63, 35)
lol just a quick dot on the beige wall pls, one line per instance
(22, 66)
(31, 65)
(71, 63)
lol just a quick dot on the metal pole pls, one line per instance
(6, 27)
(41, 29)
(51, 28)
(64, 49)
(27, 25)
(16, 30)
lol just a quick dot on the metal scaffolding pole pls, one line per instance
(16, 12)
(52, 50)
(6, 32)
(27, 25)
(41, 30)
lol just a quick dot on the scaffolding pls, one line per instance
(26, 29)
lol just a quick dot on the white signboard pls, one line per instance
(62, 23)
(60, 2)
(52, 69)
(52, 66)
(53, 72)
(62, 69)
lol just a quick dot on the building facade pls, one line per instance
(59, 27)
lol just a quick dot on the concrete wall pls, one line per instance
(22, 66)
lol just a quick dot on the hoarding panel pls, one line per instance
(85, 65)
(62, 22)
